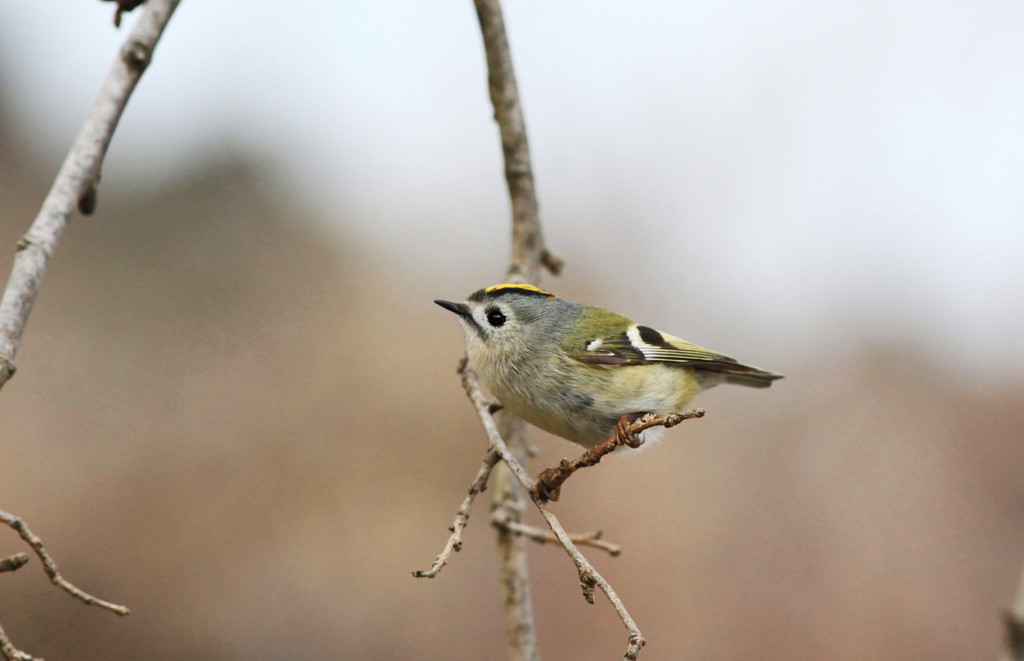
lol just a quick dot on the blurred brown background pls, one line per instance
(238, 415)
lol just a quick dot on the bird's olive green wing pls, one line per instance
(643, 345)
(638, 345)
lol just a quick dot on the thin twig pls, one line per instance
(627, 432)
(9, 651)
(542, 536)
(12, 653)
(50, 567)
(589, 577)
(454, 544)
(77, 181)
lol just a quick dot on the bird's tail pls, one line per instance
(745, 375)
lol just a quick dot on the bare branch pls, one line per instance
(12, 653)
(509, 504)
(529, 252)
(589, 577)
(50, 567)
(77, 181)
(544, 536)
(627, 433)
(454, 544)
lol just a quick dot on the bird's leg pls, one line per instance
(627, 432)
(624, 434)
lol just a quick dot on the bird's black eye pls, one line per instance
(495, 317)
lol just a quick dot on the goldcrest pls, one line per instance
(574, 370)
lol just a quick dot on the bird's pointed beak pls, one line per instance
(460, 309)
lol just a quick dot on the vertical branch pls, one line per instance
(527, 255)
(529, 251)
(77, 181)
(509, 505)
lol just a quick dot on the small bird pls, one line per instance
(574, 370)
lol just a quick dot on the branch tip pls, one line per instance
(454, 543)
(553, 264)
(592, 539)
(14, 562)
(636, 642)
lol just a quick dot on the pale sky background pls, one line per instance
(821, 172)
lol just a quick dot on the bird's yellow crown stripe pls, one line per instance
(519, 286)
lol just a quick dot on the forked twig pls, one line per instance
(454, 544)
(501, 520)
(50, 567)
(590, 578)
(546, 489)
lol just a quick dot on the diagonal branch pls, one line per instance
(454, 544)
(12, 653)
(499, 518)
(75, 187)
(50, 567)
(77, 181)
(590, 578)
